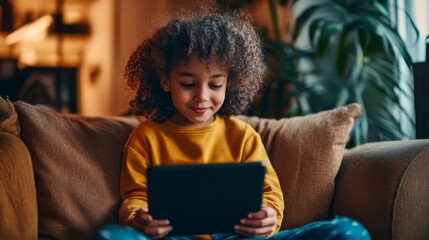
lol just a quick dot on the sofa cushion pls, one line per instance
(306, 153)
(18, 203)
(8, 118)
(77, 161)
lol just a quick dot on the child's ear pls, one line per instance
(165, 84)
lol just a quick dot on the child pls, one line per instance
(191, 76)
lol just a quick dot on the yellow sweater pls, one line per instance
(223, 140)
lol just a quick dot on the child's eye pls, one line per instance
(187, 85)
(216, 86)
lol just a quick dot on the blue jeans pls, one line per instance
(341, 228)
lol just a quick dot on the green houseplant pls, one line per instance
(372, 64)
(342, 51)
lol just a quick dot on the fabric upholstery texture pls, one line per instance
(8, 118)
(389, 192)
(306, 153)
(77, 163)
(18, 212)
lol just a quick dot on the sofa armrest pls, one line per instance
(18, 201)
(385, 186)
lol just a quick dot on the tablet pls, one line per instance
(205, 198)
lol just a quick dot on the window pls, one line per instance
(418, 11)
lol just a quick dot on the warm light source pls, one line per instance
(31, 32)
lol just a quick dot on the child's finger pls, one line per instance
(142, 217)
(264, 222)
(265, 212)
(159, 223)
(153, 228)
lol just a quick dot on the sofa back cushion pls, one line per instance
(77, 163)
(306, 153)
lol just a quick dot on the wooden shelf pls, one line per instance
(45, 52)
(74, 29)
(73, 12)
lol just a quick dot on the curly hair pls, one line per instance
(228, 37)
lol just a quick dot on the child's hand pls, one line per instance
(154, 228)
(258, 224)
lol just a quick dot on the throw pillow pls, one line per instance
(8, 118)
(77, 162)
(306, 153)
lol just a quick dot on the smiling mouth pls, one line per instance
(200, 110)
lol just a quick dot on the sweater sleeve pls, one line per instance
(273, 195)
(133, 182)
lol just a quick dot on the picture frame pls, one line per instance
(54, 87)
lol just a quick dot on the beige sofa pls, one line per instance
(59, 173)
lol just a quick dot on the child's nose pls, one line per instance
(201, 94)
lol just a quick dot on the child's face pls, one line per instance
(197, 92)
